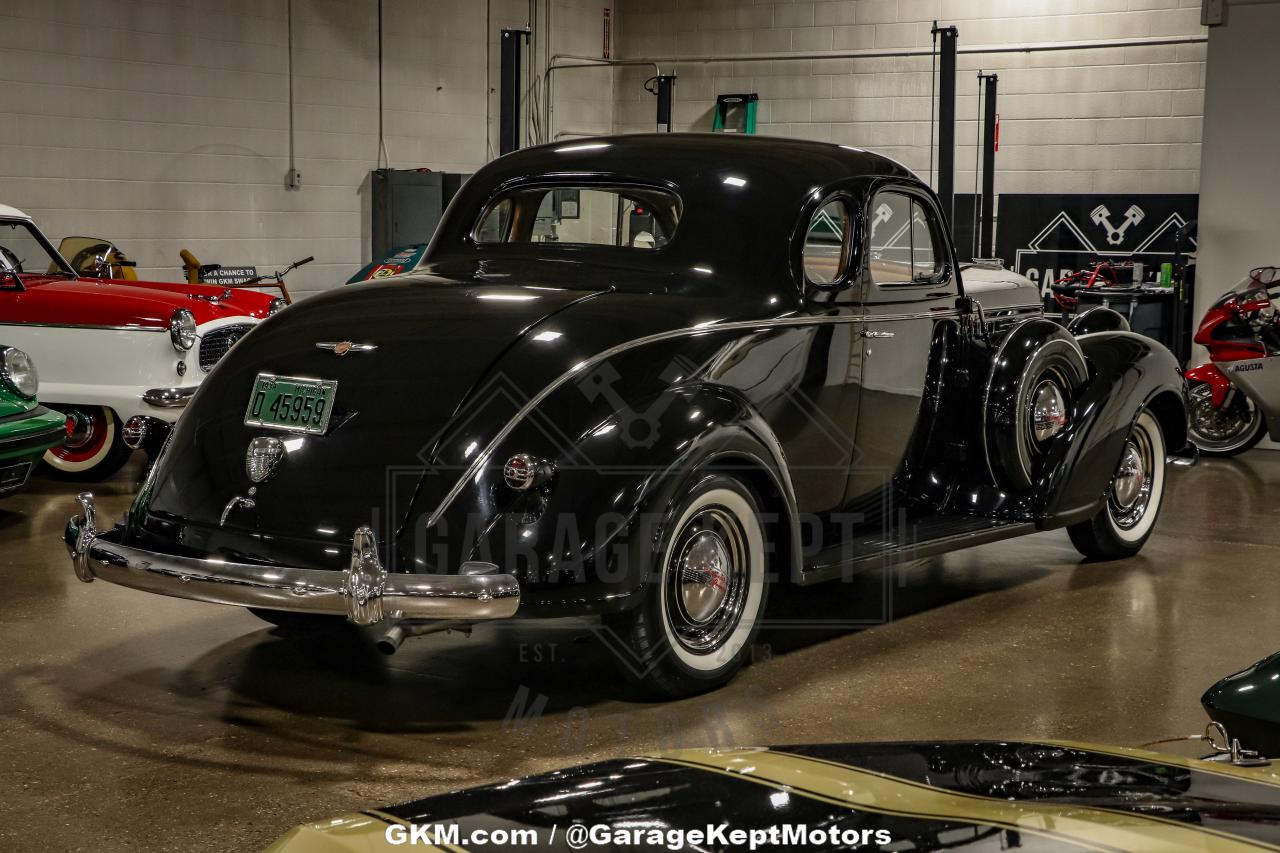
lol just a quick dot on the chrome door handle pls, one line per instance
(876, 333)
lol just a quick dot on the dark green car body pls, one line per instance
(27, 430)
(1247, 704)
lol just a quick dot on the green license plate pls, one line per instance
(290, 403)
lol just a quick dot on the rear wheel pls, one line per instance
(1125, 522)
(94, 448)
(705, 599)
(1226, 430)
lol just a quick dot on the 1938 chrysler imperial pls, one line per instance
(646, 377)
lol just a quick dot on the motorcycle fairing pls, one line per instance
(1259, 379)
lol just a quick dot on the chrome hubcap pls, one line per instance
(1048, 411)
(707, 580)
(1131, 487)
(704, 577)
(82, 429)
(1130, 478)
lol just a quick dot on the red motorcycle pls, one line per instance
(1235, 397)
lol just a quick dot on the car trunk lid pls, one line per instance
(426, 343)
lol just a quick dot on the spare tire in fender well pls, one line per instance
(1035, 352)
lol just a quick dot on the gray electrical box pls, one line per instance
(408, 204)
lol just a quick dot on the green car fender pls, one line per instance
(27, 430)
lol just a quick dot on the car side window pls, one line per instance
(891, 231)
(905, 246)
(826, 243)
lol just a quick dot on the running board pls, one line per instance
(929, 539)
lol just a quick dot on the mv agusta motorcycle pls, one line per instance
(1235, 397)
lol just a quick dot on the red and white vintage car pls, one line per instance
(117, 357)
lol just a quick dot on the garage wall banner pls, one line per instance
(1048, 236)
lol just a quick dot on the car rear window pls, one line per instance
(629, 217)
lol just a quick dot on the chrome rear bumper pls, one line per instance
(364, 592)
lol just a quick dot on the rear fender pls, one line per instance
(1098, 319)
(1128, 373)
(585, 540)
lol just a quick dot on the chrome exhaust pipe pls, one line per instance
(389, 641)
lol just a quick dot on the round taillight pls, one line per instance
(524, 472)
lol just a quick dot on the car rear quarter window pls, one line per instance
(826, 243)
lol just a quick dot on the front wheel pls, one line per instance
(705, 597)
(1125, 522)
(1225, 431)
(94, 448)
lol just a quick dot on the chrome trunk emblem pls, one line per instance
(341, 348)
(262, 457)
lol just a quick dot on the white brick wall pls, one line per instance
(1098, 120)
(164, 125)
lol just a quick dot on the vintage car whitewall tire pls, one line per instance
(1125, 522)
(706, 596)
(95, 449)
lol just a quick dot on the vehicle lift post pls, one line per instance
(509, 90)
(665, 89)
(990, 140)
(947, 121)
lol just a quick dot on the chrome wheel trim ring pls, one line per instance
(706, 579)
(1131, 487)
(1209, 426)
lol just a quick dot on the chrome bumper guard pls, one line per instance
(365, 592)
(169, 398)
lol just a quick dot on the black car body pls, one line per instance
(773, 344)
(973, 796)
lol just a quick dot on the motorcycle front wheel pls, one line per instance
(1227, 431)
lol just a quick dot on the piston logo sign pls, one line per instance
(1046, 237)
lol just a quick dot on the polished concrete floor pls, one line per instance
(132, 722)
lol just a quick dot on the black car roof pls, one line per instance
(742, 196)
(682, 157)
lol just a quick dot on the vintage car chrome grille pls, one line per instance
(214, 345)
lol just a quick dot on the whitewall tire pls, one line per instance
(94, 448)
(1133, 498)
(705, 596)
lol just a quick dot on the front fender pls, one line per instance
(1127, 372)
(1211, 375)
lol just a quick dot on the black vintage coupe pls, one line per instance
(647, 377)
